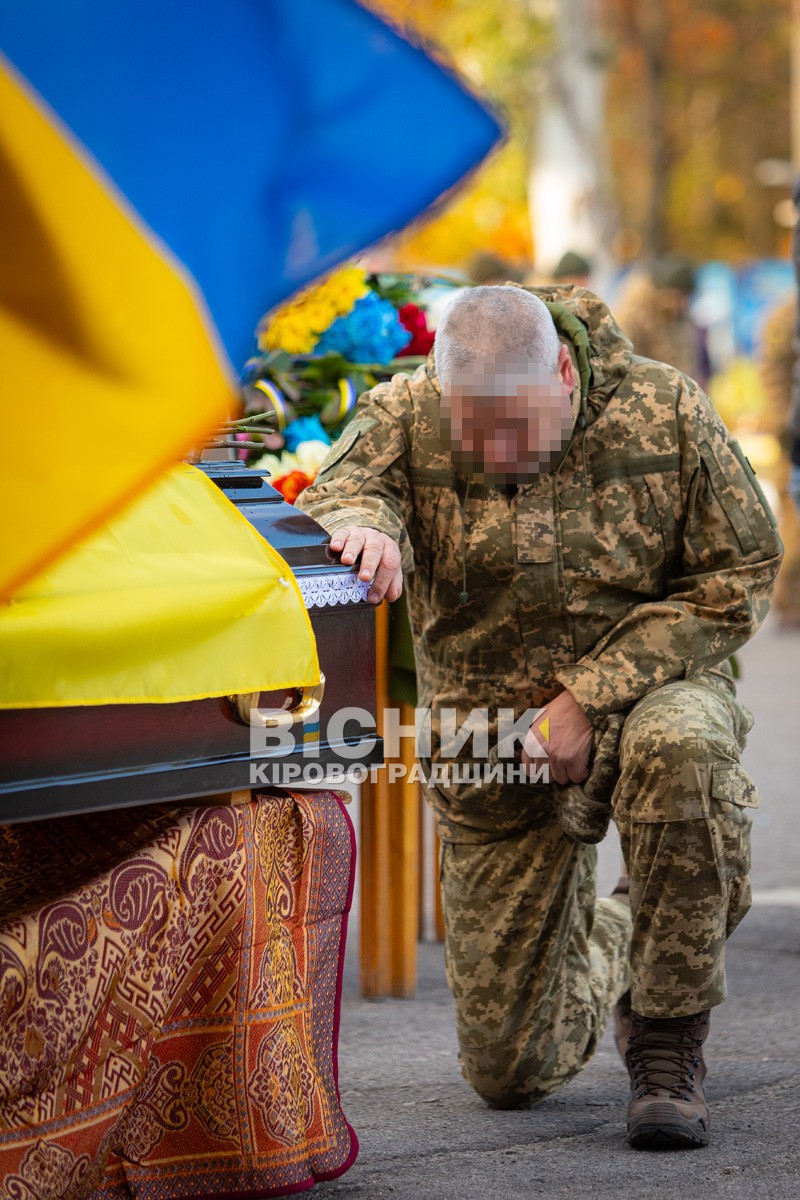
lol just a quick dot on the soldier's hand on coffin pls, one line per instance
(380, 559)
(569, 745)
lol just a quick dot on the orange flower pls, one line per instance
(292, 484)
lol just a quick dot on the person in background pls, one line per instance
(780, 372)
(486, 267)
(793, 424)
(572, 268)
(653, 310)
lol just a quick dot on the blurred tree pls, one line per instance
(571, 190)
(690, 96)
(698, 96)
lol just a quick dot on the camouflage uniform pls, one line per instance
(779, 370)
(626, 576)
(658, 329)
(793, 423)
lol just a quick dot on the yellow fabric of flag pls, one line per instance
(177, 598)
(111, 367)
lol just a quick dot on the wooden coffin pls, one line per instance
(55, 761)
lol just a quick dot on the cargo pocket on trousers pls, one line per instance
(668, 792)
(733, 796)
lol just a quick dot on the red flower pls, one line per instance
(412, 318)
(292, 484)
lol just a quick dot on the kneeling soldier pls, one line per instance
(581, 536)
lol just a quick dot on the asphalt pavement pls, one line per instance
(426, 1136)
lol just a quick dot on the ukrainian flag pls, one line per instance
(170, 171)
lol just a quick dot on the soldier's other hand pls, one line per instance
(570, 743)
(380, 559)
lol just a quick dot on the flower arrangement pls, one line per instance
(414, 320)
(295, 327)
(371, 332)
(317, 354)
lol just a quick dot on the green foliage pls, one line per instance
(397, 289)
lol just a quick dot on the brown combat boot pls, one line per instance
(665, 1062)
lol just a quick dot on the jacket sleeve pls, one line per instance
(364, 479)
(717, 593)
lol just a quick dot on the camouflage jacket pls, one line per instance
(647, 556)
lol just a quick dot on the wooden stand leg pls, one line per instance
(404, 869)
(389, 857)
(374, 856)
(375, 971)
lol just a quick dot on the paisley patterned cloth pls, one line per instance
(170, 980)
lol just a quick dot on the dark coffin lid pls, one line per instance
(297, 538)
(66, 760)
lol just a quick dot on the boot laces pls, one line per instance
(664, 1055)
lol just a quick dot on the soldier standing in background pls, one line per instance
(653, 311)
(779, 370)
(572, 268)
(794, 412)
(579, 534)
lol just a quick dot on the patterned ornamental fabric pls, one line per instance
(169, 989)
(648, 555)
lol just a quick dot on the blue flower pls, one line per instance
(305, 429)
(370, 333)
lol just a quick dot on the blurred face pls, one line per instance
(508, 422)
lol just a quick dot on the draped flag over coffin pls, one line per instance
(178, 599)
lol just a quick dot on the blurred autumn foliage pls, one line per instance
(697, 95)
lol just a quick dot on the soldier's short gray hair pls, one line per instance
(494, 323)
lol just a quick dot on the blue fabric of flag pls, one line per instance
(262, 141)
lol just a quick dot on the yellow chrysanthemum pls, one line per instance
(296, 327)
(292, 334)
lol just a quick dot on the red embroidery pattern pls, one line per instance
(157, 970)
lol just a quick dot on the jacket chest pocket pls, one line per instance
(628, 528)
(625, 535)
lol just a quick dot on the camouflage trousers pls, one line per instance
(535, 962)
